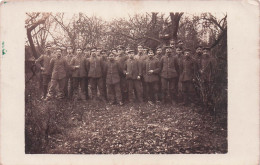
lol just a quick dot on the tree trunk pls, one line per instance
(175, 19)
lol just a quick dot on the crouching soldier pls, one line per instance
(112, 71)
(133, 71)
(95, 71)
(187, 67)
(58, 68)
(151, 69)
(169, 76)
(79, 74)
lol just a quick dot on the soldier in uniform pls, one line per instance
(68, 83)
(95, 73)
(121, 61)
(104, 60)
(58, 68)
(87, 52)
(159, 53)
(180, 44)
(112, 71)
(79, 74)
(151, 69)
(187, 67)
(133, 71)
(169, 75)
(179, 55)
(141, 58)
(43, 62)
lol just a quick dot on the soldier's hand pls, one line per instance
(138, 77)
(126, 73)
(150, 71)
(76, 67)
(42, 68)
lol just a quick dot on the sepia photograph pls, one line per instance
(134, 83)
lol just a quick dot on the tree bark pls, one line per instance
(175, 19)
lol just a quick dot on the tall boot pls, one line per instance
(164, 97)
(156, 99)
(185, 98)
(173, 98)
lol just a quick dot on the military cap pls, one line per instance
(120, 47)
(93, 48)
(206, 48)
(158, 47)
(103, 51)
(167, 47)
(47, 45)
(69, 46)
(79, 48)
(113, 49)
(58, 48)
(150, 50)
(179, 47)
(131, 50)
(179, 41)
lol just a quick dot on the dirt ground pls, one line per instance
(77, 127)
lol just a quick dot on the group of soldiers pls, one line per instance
(120, 75)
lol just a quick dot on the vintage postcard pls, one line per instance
(129, 82)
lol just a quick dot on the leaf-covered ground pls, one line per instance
(76, 127)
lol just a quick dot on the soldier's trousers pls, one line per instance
(169, 84)
(187, 91)
(94, 84)
(79, 87)
(58, 84)
(45, 83)
(124, 89)
(135, 86)
(68, 86)
(86, 87)
(152, 90)
(114, 92)
(144, 89)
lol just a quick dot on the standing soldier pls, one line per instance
(180, 44)
(179, 55)
(112, 71)
(169, 75)
(151, 69)
(104, 59)
(133, 71)
(173, 45)
(141, 58)
(79, 74)
(68, 83)
(187, 76)
(95, 72)
(58, 68)
(121, 61)
(43, 62)
(158, 56)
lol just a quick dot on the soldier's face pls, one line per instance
(48, 50)
(120, 51)
(180, 43)
(199, 50)
(145, 51)
(140, 48)
(114, 51)
(79, 51)
(111, 57)
(168, 51)
(131, 55)
(205, 52)
(159, 51)
(93, 53)
(172, 44)
(58, 52)
(178, 51)
(150, 54)
(187, 54)
(69, 50)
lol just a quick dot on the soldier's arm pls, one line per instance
(157, 67)
(177, 68)
(52, 65)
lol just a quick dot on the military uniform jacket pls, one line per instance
(82, 62)
(134, 68)
(112, 71)
(121, 59)
(95, 67)
(179, 61)
(151, 64)
(169, 67)
(187, 69)
(45, 60)
(207, 68)
(59, 68)
(68, 58)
